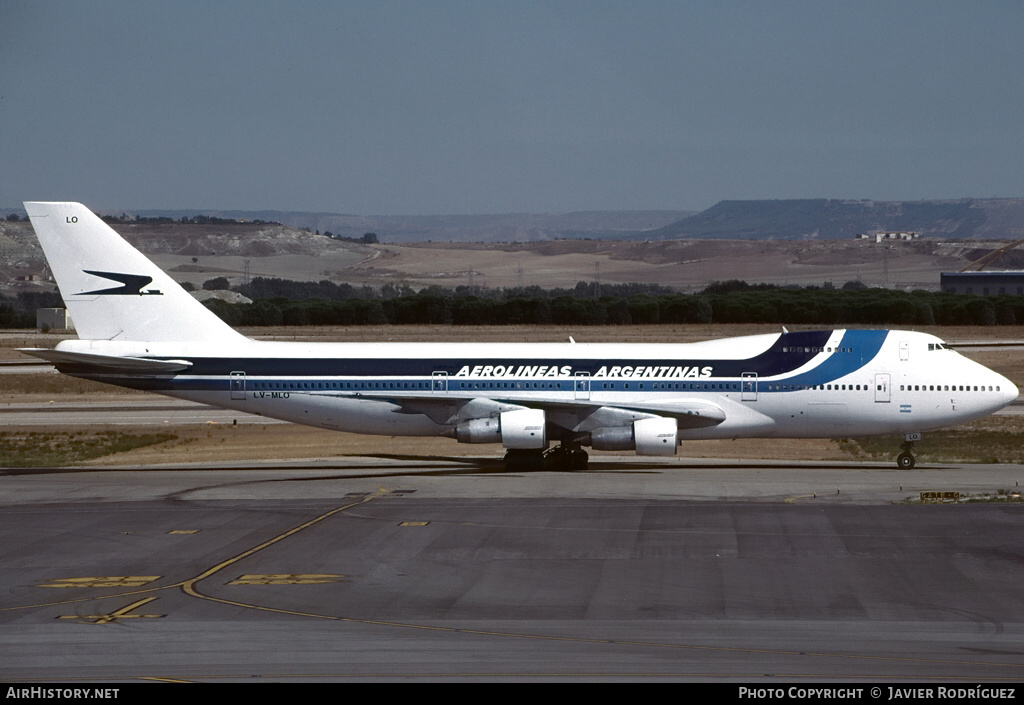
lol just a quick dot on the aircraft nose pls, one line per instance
(1010, 391)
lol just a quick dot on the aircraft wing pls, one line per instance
(449, 410)
(587, 415)
(572, 415)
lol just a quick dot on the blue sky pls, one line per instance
(431, 107)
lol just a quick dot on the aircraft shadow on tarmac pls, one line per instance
(440, 466)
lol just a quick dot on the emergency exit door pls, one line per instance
(748, 387)
(238, 385)
(882, 392)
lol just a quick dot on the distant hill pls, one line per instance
(794, 219)
(505, 227)
(833, 219)
(198, 252)
(510, 227)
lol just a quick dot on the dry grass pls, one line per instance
(993, 439)
(49, 386)
(23, 448)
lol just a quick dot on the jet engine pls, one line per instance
(517, 429)
(651, 436)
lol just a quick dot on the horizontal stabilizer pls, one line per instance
(88, 362)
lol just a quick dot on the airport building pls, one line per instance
(53, 319)
(984, 283)
(879, 237)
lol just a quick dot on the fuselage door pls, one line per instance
(583, 385)
(748, 387)
(904, 350)
(882, 392)
(238, 385)
(439, 382)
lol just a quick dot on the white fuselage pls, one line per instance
(798, 385)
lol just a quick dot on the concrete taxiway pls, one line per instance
(451, 569)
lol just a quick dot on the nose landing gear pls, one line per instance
(906, 459)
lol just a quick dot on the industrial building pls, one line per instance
(879, 237)
(53, 319)
(984, 283)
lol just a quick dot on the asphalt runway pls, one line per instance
(386, 568)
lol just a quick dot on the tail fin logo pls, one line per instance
(131, 285)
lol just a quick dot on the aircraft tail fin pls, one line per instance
(112, 290)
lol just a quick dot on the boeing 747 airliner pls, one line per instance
(138, 328)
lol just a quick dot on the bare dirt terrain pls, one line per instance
(686, 265)
(197, 253)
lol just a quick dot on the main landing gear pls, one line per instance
(558, 459)
(906, 459)
(566, 459)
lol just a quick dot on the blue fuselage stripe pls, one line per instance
(790, 352)
(800, 348)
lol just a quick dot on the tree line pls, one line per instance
(721, 302)
(280, 302)
(19, 311)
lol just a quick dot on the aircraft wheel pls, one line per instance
(578, 460)
(905, 461)
(556, 459)
(524, 460)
